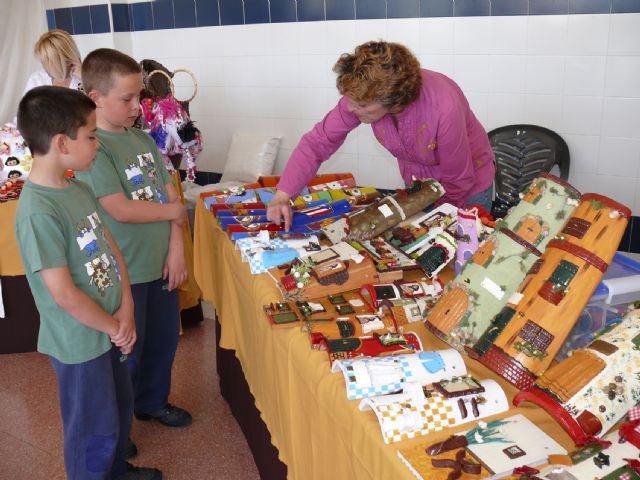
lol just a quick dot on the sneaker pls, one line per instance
(141, 473)
(169, 416)
(131, 450)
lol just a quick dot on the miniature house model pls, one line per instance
(525, 336)
(492, 274)
(591, 390)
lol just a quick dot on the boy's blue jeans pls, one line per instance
(96, 402)
(157, 314)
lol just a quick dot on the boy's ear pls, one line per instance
(60, 143)
(96, 97)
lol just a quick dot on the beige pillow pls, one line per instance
(249, 157)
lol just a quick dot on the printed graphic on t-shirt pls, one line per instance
(145, 194)
(98, 270)
(146, 162)
(99, 267)
(144, 179)
(134, 174)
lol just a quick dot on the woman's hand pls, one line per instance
(279, 210)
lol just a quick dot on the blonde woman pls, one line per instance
(60, 59)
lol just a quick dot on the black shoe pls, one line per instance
(141, 473)
(131, 450)
(169, 416)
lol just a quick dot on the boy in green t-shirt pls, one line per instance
(145, 214)
(80, 285)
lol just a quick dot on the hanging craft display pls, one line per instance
(15, 157)
(167, 120)
(489, 278)
(523, 339)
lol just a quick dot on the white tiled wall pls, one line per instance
(578, 75)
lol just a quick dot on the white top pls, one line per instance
(41, 77)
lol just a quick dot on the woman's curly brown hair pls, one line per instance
(383, 72)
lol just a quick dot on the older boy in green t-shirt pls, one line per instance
(80, 285)
(145, 214)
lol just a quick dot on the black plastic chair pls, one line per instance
(522, 153)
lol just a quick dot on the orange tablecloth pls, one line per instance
(10, 262)
(318, 432)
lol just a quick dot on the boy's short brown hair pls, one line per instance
(100, 66)
(47, 111)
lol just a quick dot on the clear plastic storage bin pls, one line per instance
(619, 287)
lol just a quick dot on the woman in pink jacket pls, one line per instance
(420, 116)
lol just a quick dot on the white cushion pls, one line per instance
(249, 157)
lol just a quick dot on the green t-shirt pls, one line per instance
(58, 227)
(130, 163)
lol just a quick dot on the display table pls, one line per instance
(19, 328)
(317, 431)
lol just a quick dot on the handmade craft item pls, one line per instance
(413, 233)
(377, 345)
(272, 180)
(500, 446)
(15, 156)
(334, 270)
(368, 377)
(525, 336)
(389, 211)
(167, 120)
(606, 459)
(406, 302)
(489, 278)
(10, 190)
(264, 252)
(390, 262)
(438, 251)
(468, 226)
(588, 392)
(421, 410)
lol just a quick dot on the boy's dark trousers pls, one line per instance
(96, 402)
(157, 314)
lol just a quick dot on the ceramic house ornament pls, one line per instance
(467, 236)
(421, 410)
(588, 392)
(389, 211)
(379, 376)
(371, 346)
(491, 276)
(525, 336)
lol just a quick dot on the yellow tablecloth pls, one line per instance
(11, 264)
(318, 432)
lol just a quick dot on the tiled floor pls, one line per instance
(213, 447)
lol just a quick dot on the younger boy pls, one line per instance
(145, 214)
(80, 285)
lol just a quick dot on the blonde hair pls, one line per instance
(58, 54)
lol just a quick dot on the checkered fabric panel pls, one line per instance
(435, 415)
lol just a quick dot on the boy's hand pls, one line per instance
(175, 268)
(125, 338)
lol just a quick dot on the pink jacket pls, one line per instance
(438, 136)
